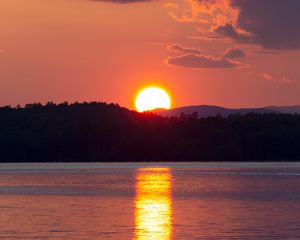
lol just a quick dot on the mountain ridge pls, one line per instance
(212, 110)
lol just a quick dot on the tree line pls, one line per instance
(100, 132)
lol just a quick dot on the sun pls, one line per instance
(151, 98)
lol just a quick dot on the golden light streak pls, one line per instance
(153, 211)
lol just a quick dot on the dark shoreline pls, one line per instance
(99, 132)
(149, 162)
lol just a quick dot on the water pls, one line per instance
(150, 201)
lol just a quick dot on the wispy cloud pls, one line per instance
(279, 80)
(201, 61)
(195, 58)
(182, 49)
(267, 76)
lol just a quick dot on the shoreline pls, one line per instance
(128, 165)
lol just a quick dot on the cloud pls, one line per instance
(123, 1)
(267, 76)
(204, 12)
(194, 58)
(278, 80)
(184, 50)
(286, 80)
(273, 24)
(234, 53)
(229, 30)
(201, 61)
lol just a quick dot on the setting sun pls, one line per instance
(152, 98)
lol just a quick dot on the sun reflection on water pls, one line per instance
(153, 212)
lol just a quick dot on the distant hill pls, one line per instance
(285, 109)
(206, 110)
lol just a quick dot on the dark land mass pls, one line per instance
(210, 111)
(100, 132)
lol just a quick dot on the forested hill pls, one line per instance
(95, 132)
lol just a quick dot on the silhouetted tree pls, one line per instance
(98, 131)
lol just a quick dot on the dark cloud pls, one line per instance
(201, 61)
(229, 30)
(234, 53)
(182, 49)
(123, 1)
(274, 24)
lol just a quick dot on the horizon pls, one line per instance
(222, 53)
(134, 109)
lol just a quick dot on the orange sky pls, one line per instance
(82, 50)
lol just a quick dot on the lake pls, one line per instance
(150, 201)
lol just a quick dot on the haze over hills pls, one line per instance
(207, 110)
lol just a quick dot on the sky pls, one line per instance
(231, 53)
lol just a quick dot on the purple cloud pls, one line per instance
(234, 53)
(274, 24)
(201, 61)
(184, 50)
